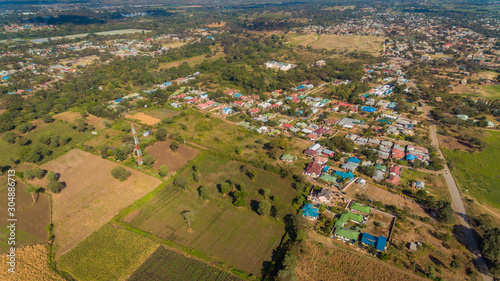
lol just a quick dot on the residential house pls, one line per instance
(322, 197)
(379, 242)
(393, 179)
(418, 184)
(313, 169)
(288, 158)
(310, 212)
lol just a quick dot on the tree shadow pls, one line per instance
(436, 261)
(254, 205)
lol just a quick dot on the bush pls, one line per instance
(163, 170)
(9, 137)
(161, 134)
(174, 146)
(204, 192)
(148, 160)
(29, 174)
(120, 173)
(224, 187)
(52, 176)
(39, 173)
(55, 186)
(264, 208)
(47, 119)
(181, 182)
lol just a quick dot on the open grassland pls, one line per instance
(163, 155)
(162, 113)
(32, 217)
(434, 183)
(319, 262)
(302, 40)
(31, 264)
(491, 91)
(168, 265)
(9, 153)
(370, 44)
(91, 197)
(479, 172)
(192, 61)
(90, 120)
(237, 236)
(108, 254)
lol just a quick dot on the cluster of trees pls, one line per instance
(120, 173)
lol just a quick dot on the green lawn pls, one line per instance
(492, 91)
(108, 254)
(237, 236)
(478, 172)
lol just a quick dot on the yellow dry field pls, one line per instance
(143, 118)
(371, 44)
(79, 61)
(70, 116)
(174, 45)
(216, 24)
(92, 197)
(31, 264)
(339, 8)
(192, 61)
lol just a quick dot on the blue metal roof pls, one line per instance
(382, 241)
(310, 211)
(353, 160)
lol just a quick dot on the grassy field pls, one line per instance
(31, 264)
(163, 113)
(32, 217)
(435, 184)
(8, 152)
(238, 236)
(91, 196)
(479, 173)
(108, 254)
(168, 265)
(491, 91)
(370, 44)
(192, 61)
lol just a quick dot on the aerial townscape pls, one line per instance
(250, 140)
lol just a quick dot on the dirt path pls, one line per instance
(457, 203)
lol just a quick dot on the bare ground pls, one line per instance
(163, 155)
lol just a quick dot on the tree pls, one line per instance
(251, 174)
(301, 235)
(174, 145)
(264, 208)
(224, 188)
(204, 192)
(445, 213)
(55, 186)
(188, 217)
(161, 134)
(9, 137)
(267, 192)
(148, 160)
(39, 173)
(430, 272)
(196, 177)
(120, 154)
(52, 176)
(491, 244)
(104, 151)
(47, 119)
(120, 173)
(28, 174)
(455, 264)
(163, 170)
(284, 143)
(34, 191)
(181, 182)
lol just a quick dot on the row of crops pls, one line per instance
(167, 265)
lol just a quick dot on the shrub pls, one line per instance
(120, 173)
(264, 208)
(224, 187)
(161, 134)
(204, 192)
(174, 145)
(181, 182)
(29, 174)
(39, 173)
(148, 159)
(163, 170)
(55, 186)
(52, 176)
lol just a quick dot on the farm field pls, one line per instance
(238, 236)
(320, 262)
(91, 199)
(478, 172)
(143, 118)
(71, 116)
(168, 265)
(163, 113)
(302, 40)
(32, 218)
(108, 254)
(192, 61)
(165, 156)
(370, 44)
(491, 91)
(80, 61)
(31, 264)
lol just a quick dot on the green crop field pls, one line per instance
(238, 236)
(168, 265)
(108, 254)
(478, 172)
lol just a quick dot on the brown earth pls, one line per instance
(32, 218)
(216, 24)
(70, 116)
(101, 137)
(163, 155)
(91, 197)
(384, 219)
(143, 118)
(325, 262)
(450, 142)
(31, 264)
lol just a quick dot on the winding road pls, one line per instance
(457, 203)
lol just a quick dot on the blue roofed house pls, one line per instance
(227, 110)
(344, 175)
(309, 211)
(379, 242)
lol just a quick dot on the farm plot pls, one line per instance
(168, 265)
(91, 197)
(31, 264)
(379, 223)
(329, 263)
(143, 118)
(163, 155)
(32, 217)
(371, 44)
(163, 113)
(237, 236)
(91, 120)
(108, 254)
(387, 197)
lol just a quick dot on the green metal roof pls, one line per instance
(287, 157)
(347, 233)
(328, 178)
(361, 208)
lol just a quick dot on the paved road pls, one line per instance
(458, 205)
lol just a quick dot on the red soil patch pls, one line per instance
(165, 156)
